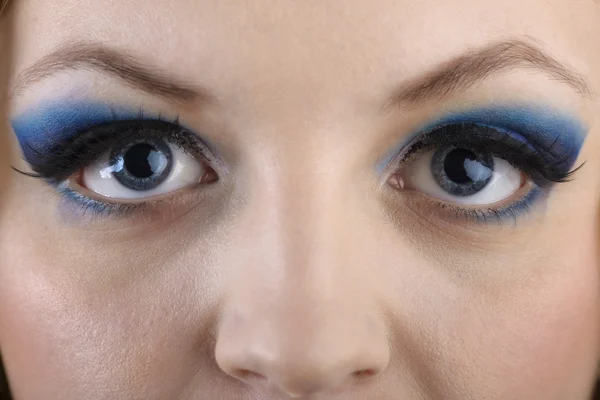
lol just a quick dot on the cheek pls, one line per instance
(520, 326)
(135, 339)
(35, 327)
(537, 339)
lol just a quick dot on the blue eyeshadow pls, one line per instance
(543, 128)
(39, 130)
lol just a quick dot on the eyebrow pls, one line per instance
(466, 70)
(457, 74)
(97, 57)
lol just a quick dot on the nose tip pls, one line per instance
(301, 367)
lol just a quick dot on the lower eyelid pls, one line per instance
(429, 208)
(79, 209)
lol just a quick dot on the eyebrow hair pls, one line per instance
(458, 74)
(97, 57)
(466, 70)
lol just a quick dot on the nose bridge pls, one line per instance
(308, 229)
(298, 220)
(309, 215)
(297, 246)
(299, 314)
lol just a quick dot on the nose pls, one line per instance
(299, 317)
(301, 349)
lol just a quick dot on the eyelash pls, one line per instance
(541, 166)
(71, 155)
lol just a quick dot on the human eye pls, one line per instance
(123, 163)
(139, 169)
(131, 161)
(483, 171)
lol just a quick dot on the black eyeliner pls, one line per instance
(73, 153)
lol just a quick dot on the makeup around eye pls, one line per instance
(84, 150)
(59, 140)
(556, 133)
(488, 164)
(39, 130)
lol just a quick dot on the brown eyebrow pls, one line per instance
(458, 74)
(97, 57)
(464, 71)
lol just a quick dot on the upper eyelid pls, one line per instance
(541, 165)
(544, 126)
(507, 136)
(39, 130)
(178, 134)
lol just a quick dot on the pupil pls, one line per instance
(456, 164)
(142, 160)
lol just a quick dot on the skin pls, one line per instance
(301, 275)
(4, 126)
(5, 42)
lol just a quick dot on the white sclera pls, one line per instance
(506, 180)
(98, 177)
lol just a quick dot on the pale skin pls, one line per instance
(5, 43)
(303, 273)
(4, 130)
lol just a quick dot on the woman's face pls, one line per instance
(314, 200)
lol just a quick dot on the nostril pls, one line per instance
(249, 376)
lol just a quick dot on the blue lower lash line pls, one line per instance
(516, 209)
(73, 203)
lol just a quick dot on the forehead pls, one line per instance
(409, 29)
(236, 45)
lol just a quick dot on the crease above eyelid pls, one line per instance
(69, 156)
(39, 130)
(543, 127)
